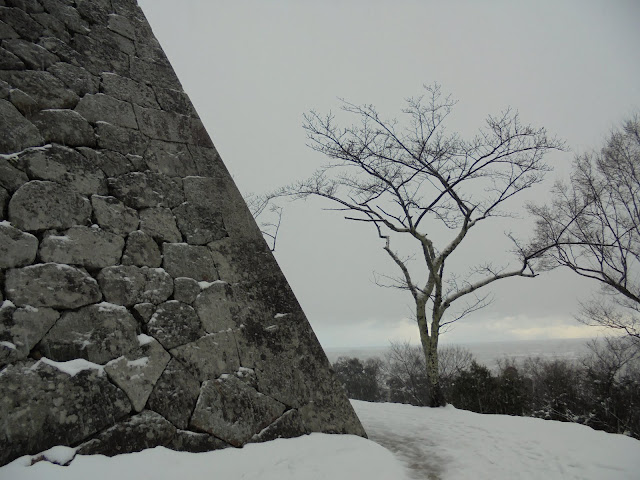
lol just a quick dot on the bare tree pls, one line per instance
(267, 215)
(413, 181)
(593, 228)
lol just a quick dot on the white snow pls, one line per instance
(204, 285)
(7, 304)
(280, 315)
(71, 367)
(442, 443)
(111, 307)
(144, 339)
(9, 345)
(139, 362)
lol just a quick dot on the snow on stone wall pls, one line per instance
(140, 305)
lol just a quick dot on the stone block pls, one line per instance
(153, 71)
(217, 307)
(43, 87)
(199, 224)
(88, 247)
(75, 78)
(209, 356)
(105, 108)
(160, 224)
(174, 323)
(66, 127)
(42, 406)
(136, 372)
(171, 127)
(17, 248)
(182, 260)
(146, 189)
(144, 311)
(144, 430)
(98, 333)
(52, 26)
(175, 101)
(65, 166)
(188, 441)
(175, 394)
(113, 215)
(173, 159)
(34, 56)
(119, 139)
(21, 22)
(25, 327)
(9, 61)
(18, 132)
(141, 251)
(127, 285)
(233, 411)
(101, 57)
(43, 205)
(289, 425)
(185, 289)
(51, 285)
(128, 90)
(11, 177)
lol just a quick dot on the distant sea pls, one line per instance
(488, 353)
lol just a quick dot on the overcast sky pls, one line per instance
(252, 68)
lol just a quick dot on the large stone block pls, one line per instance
(128, 90)
(16, 247)
(160, 224)
(199, 225)
(51, 285)
(24, 328)
(128, 285)
(104, 108)
(18, 132)
(98, 333)
(113, 215)
(43, 87)
(43, 205)
(210, 356)
(182, 260)
(173, 159)
(47, 403)
(143, 190)
(233, 411)
(144, 430)
(217, 307)
(34, 56)
(85, 246)
(137, 371)
(12, 177)
(171, 127)
(174, 323)
(119, 139)
(175, 394)
(67, 167)
(66, 127)
(141, 251)
(77, 79)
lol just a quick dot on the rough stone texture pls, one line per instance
(41, 406)
(233, 411)
(85, 246)
(113, 215)
(141, 250)
(106, 174)
(66, 167)
(51, 285)
(175, 394)
(98, 333)
(145, 430)
(160, 224)
(128, 285)
(174, 323)
(137, 372)
(42, 205)
(17, 248)
(182, 260)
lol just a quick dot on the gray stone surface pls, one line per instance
(66, 127)
(67, 167)
(146, 189)
(119, 139)
(77, 79)
(98, 333)
(138, 371)
(188, 441)
(19, 133)
(217, 307)
(233, 411)
(51, 285)
(160, 224)
(141, 250)
(175, 394)
(104, 108)
(17, 248)
(185, 289)
(173, 159)
(42, 205)
(127, 285)
(171, 127)
(25, 327)
(41, 406)
(113, 215)
(210, 356)
(289, 425)
(174, 323)
(89, 247)
(33, 56)
(128, 90)
(199, 224)
(144, 311)
(11, 177)
(144, 430)
(43, 87)
(182, 260)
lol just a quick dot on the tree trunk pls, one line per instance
(430, 350)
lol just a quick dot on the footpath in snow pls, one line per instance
(441, 443)
(451, 444)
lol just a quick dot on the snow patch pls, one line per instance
(205, 285)
(59, 455)
(280, 315)
(9, 345)
(71, 367)
(144, 339)
(7, 304)
(111, 307)
(139, 362)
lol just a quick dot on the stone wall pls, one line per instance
(140, 305)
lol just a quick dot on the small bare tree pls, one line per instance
(593, 228)
(413, 181)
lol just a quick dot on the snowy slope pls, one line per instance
(443, 443)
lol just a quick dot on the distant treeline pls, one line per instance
(601, 390)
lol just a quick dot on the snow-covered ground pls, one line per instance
(443, 443)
